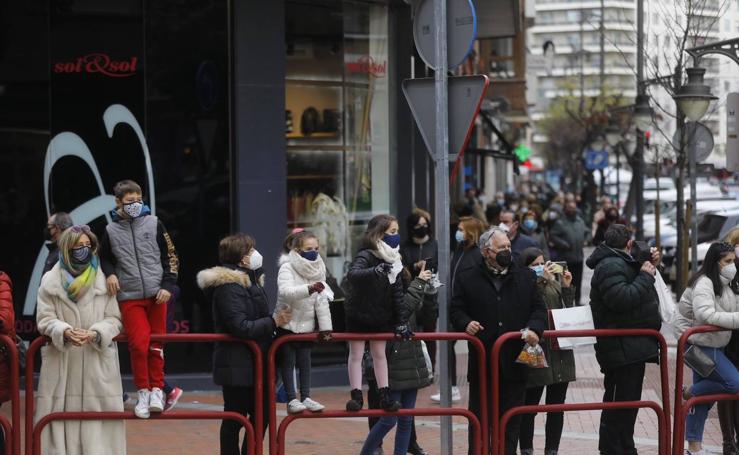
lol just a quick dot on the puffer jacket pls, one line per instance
(240, 309)
(7, 317)
(622, 297)
(292, 290)
(561, 361)
(407, 368)
(699, 305)
(372, 304)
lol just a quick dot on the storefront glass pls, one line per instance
(95, 92)
(339, 121)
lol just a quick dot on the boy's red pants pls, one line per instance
(141, 318)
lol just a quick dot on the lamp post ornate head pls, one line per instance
(694, 97)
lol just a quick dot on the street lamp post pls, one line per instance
(693, 100)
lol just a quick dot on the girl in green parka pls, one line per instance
(561, 370)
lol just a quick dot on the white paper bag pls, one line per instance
(666, 303)
(576, 318)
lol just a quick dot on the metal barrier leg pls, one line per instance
(194, 415)
(476, 427)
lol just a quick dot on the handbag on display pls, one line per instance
(310, 121)
(699, 361)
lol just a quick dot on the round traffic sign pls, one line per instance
(461, 32)
(698, 140)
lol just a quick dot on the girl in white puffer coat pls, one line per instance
(301, 287)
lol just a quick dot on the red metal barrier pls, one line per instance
(681, 409)
(168, 338)
(662, 412)
(339, 337)
(190, 415)
(12, 432)
(477, 428)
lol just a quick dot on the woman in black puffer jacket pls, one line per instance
(375, 304)
(240, 309)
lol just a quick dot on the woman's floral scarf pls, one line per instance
(78, 279)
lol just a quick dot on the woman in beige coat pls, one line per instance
(79, 368)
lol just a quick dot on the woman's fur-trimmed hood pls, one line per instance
(217, 276)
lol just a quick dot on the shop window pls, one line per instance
(339, 124)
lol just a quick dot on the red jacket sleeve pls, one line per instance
(7, 312)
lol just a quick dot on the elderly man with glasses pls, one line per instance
(489, 299)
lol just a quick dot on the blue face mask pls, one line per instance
(530, 224)
(538, 269)
(309, 255)
(392, 240)
(459, 237)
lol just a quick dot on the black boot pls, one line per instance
(356, 402)
(385, 402)
(726, 421)
(415, 449)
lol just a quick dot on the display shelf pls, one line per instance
(313, 177)
(326, 83)
(333, 135)
(328, 148)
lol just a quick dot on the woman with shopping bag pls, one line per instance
(709, 300)
(561, 370)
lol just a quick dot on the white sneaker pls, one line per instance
(313, 406)
(456, 395)
(156, 400)
(142, 406)
(295, 407)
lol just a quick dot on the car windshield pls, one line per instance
(709, 228)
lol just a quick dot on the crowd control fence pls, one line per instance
(277, 439)
(663, 411)
(33, 433)
(682, 408)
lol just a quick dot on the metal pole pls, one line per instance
(602, 47)
(618, 176)
(441, 205)
(639, 153)
(694, 203)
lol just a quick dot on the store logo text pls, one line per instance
(368, 65)
(98, 63)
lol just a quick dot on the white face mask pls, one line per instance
(255, 260)
(728, 272)
(736, 251)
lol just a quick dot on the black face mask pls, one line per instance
(504, 258)
(420, 232)
(47, 234)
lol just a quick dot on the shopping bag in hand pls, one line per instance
(532, 356)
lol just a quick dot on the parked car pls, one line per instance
(712, 227)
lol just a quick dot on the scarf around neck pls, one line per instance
(391, 256)
(77, 280)
(310, 270)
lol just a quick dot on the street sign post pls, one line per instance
(596, 160)
(461, 31)
(466, 94)
(698, 140)
(444, 32)
(732, 132)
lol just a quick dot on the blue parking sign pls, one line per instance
(596, 159)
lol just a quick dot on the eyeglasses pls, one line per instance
(81, 229)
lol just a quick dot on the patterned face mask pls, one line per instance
(133, 209)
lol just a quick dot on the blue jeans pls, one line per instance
(407, 399)
(724, 379)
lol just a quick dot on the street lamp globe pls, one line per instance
(694, 97)
(613, 135)
(642, 113)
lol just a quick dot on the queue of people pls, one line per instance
(503, 278)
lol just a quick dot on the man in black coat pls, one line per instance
(57, 223)
(492, 298)
(622, 296)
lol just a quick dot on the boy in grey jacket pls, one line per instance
(140, 262)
